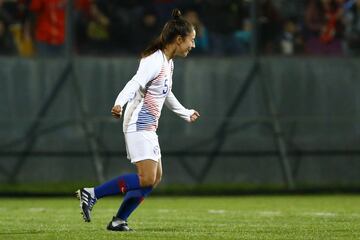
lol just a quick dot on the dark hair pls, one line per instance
(173, 28)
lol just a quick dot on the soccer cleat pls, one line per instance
(86, 203)
(117, 224)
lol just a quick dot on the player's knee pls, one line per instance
(158, 177)
(157, 180)
(147, 180)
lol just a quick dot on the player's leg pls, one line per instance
(147, 171)
(158, 174)
(118, 185)
(139, 146)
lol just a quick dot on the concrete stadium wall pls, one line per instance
(317, 102)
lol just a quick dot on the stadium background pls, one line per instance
(279, 108)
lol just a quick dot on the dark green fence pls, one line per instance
(278, 121)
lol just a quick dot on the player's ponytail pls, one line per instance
(177, 26)
(153, 47)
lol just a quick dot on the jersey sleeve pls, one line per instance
(149, 68)
(127, 93)
(174, 105)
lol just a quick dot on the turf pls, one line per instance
(243, 217)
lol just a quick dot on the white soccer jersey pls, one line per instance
(146, 93)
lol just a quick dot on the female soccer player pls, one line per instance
(145, 95)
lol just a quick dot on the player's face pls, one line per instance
(185, 44)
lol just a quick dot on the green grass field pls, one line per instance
(243, 217)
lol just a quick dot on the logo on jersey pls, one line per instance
(156, 150)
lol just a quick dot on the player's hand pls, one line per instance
(116, 111)
(194, 116)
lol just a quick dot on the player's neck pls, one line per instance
(169, 52)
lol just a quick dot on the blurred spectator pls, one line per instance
(244, 36)
(50, 26)
(98, 26)
(333, 27)
(269, 28)
(15, 28)
(201, 40)
(352, 31)
(22, 30)
(145, 30)
(222, 19)
(93, 28)
(320, 27)
(6, 40)
(82, 17)
(323, 27)
(291, 39)
(121, 15)
(22, 37)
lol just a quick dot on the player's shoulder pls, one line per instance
(154, 58)
(154, 61)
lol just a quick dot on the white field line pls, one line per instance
(321, 214)
(216, 211)
(37, 209)
(355, 215)
(166, 210)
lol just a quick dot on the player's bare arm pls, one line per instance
(116, 111)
